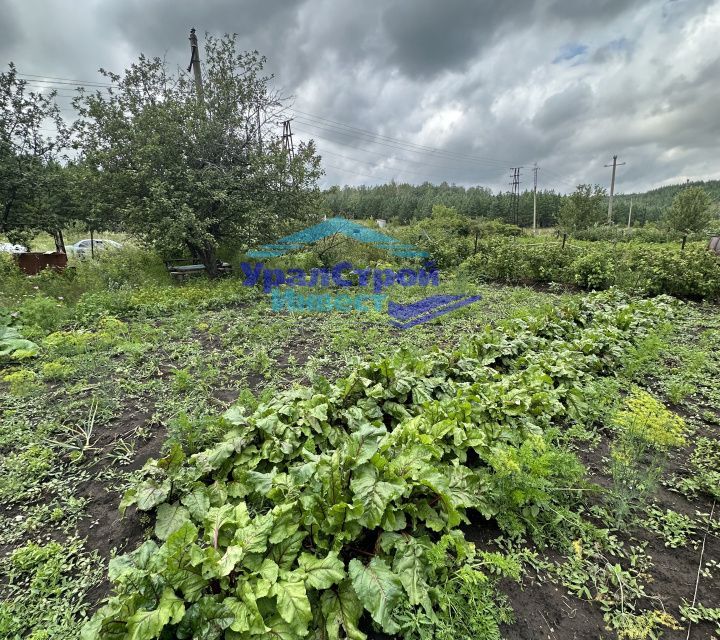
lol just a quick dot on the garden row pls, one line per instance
(335, 505)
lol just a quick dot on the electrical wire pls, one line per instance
(327, 126)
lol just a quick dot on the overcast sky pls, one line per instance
(564, 83)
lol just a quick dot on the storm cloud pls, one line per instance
(419, 90)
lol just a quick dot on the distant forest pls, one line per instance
(406, 202)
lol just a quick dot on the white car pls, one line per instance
(7, 247)
(82, 247)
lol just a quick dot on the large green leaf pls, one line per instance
(322, 573)
(179, 569)
(138, 559)
(170, 517)
(148, 494)
(374, 495)
(241, 614)
(207, 619)
(364, 443)
(286, 522)
(341, 610)
(145, 625)
(279, 629)
(285, 551)
(293, 603)
(9, 346)
(379, 590)
(197, 502)
(409, 565)
(253, 538)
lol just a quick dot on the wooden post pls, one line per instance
(195, 65)
(615, 164)
(535, 171)
(92, 243)
(564, 238)
(682, 246)
(59, 241)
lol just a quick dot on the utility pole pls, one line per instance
(259, 130)
(535, 170)
(287, 140)
(515, 193)
(630, 214)
(614, 165)
(195, 65)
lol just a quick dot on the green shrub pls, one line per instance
(594, 271)
(56, 370)
(649, 269)
(21, 382)
(40, 315)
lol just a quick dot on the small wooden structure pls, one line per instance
(181, 268)
(32, 263)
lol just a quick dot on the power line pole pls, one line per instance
(614, 165)
(287, 139)
(515, 205)
(259, 129)
(195, 65)
(630, 214)
(535, 170)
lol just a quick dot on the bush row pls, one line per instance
(652, 270)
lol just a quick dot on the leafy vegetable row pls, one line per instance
(346, 498)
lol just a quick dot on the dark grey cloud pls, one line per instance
(584, 12)
(425, 41)
(566, 83)
(9, 31)
(564, 108)
(162, 24)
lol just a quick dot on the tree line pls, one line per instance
(586, 207)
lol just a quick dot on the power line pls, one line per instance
(385, 155)
(327, 125)
(401, 170)
(399, 141)
(68, 80)
(338, 128)
(395, 147)
(62, 86)
(399, 144)
(364, 175)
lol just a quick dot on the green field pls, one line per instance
(562, 459)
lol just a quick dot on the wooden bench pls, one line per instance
(181, 268)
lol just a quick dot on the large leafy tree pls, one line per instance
(189, 173)
(583, 208)
(33, 136)
(690, 210)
